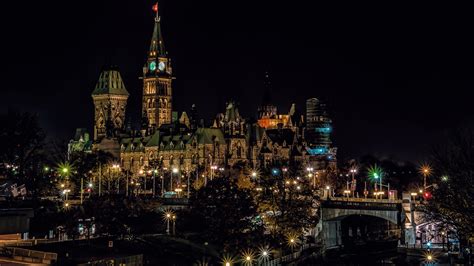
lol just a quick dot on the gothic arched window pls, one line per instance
(239, 151)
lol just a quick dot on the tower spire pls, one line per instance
(267, 109)
(157, 47)
(267, 93)
(157, 79)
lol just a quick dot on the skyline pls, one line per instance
(350, 83)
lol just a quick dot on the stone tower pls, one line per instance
(157, 77)
(267, 109)
(110, 102)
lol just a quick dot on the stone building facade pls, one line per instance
(166, 142)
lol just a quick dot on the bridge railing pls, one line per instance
(33, 254)
(287, 258)
(363, 200)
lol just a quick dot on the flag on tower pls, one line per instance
(155, 7)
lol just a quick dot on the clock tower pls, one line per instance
(157, 77)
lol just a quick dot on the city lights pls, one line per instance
(247, 257)
(228, 260)
(264, 253)
(425, 169)
(255, 181)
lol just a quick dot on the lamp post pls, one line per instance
(154, 181)
(173, 171)
(187, 185)
(353, 171)
(116, 168)
(141, 174)
(168, 217)
(365, 190)
(311, 175)
(173, 217)
(213, 168)
(425, 170)
(162, 185)
(379, 177)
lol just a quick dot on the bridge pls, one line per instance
(345, 220)
(14, 221)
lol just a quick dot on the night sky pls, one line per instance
(395, 77)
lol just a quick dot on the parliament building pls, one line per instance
(168, 140)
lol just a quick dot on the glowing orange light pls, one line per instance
(155, 7)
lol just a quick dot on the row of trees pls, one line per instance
(238, 211)
(452, 203)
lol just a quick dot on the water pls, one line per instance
(388, 257)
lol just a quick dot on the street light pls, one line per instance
(167, 216)
(155, 171)
(347, 193)
(178, 191)
(228, 260)
(173, 171)
(264, 253)
(174, 224)
(247, 257)
(430, 257)
(353, 171)
(162, 186)
(425, 170)
(213, 168)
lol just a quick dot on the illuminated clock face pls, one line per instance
(161, 66)
(152, 66)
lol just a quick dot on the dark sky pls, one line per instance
(395, 77)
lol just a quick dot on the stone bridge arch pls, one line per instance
(339, 214)
(335, 210)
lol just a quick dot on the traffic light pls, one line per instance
(427, 195)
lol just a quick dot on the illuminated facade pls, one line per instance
(157, 77)
(110, 102)
(165, 141)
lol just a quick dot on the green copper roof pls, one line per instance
(157, 43)
(154, 140)
(110, 82)
(208, 135)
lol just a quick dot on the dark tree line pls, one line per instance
(452, 202)
(22, 143)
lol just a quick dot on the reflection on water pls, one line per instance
(366, 258)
